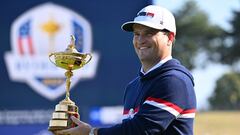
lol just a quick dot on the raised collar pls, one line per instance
(157, 65)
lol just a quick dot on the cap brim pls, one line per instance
(128, 26)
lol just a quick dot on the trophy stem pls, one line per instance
(68, 75)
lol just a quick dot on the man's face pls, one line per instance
(150, 44)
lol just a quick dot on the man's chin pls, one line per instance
(144, 59)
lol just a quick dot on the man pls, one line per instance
(161, 100)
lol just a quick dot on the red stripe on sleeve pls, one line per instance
(169, 104)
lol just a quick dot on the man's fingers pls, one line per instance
(70, 131)
(63, 132)
(76, 120)
(82, 127)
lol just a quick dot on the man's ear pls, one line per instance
(171, 36)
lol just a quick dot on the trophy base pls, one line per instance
(60, 124)
(61, 117)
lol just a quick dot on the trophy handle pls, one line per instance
(49, 57)
(88, 57)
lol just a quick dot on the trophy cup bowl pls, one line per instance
(69, 60)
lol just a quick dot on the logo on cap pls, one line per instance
(146, 14)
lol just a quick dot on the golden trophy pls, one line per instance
(70, 60)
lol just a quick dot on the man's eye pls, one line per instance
(136, 34)
(149, 34)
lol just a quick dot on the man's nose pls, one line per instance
(141, 39)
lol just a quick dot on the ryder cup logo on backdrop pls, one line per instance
(36, 33)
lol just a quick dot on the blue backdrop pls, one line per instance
(117, 65)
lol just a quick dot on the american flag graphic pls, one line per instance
(24, 39)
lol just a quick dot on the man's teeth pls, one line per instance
(141, 48)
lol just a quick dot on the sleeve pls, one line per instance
(163, 103)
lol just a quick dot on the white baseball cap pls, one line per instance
(155, 17)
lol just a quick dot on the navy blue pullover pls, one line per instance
(162, 102)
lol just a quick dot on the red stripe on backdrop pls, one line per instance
(20, 46)
(30, 45)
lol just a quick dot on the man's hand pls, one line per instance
(81, 129)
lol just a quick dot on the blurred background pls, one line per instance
(207, 42)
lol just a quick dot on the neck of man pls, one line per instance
(147, 65)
